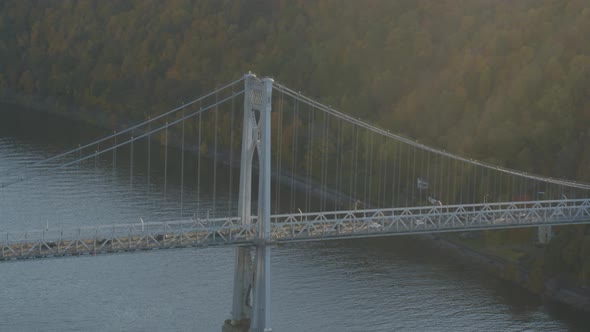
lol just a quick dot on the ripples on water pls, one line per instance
(391, 284)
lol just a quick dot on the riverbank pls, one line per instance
(96, 118)
(548, 289)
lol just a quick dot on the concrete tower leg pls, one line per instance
(251, 298)
(544, 234)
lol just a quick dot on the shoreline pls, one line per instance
(551, 289)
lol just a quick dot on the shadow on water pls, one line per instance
(34, 127)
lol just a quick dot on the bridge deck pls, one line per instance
(291, 228)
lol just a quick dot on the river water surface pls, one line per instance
(389, 284)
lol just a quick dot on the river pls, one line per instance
(388, 284)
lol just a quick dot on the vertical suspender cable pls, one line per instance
(216, 110)
(149, 155)
(199, 153)
(442, 188)
(407, 189)
(281, 133)
(461, 181)
(441, 172)
(510, 194)
(513, 187)
(476, 185)
(481, 185)
(339, 161)
(370, 172)
(454, 175)
(398, 183)
(440, 177)
(500, 194)
(487, 181)
(366, 156)
(295, 153)
(443, 176)
(395, 167)
(182, 169)
(231, 153)
(433, 184)
(519, 189)
(421, 173)
(276, 147)
(96, 157)
(467, 185)
(322, 155)
(309, 161)
(445, 189)
(114, 156)
(312, 143)
(494, 187)
(468, 189)
(429, 179)
(450, 192)
(550, 190)
(295, 140)
(279, 159)
(353, 175)
(436, 176)
(96, 176)
(413, 179)
(166, 158)
(382, 177)
(324, 181)
(473, 183)
(131, 161)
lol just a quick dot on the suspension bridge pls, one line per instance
(354, 180)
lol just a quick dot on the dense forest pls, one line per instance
(503, 81)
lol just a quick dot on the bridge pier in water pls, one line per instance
(251, 291)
